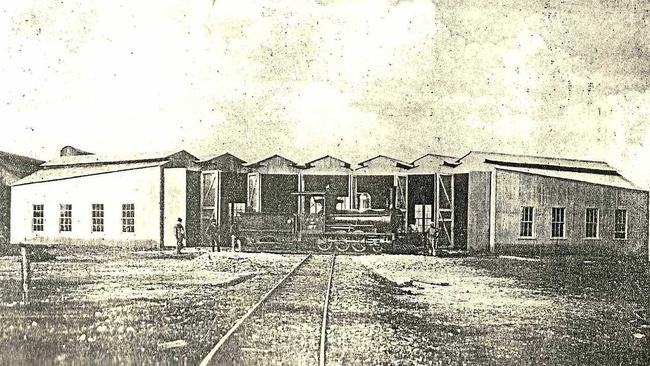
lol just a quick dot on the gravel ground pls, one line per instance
(286, 328)
(121, 308)
(503, 311)
(116, 307)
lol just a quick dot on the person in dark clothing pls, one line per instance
(212, 233)
(432, 237)
(179, 232)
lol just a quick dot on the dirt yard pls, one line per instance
(105, 307)
(569, 311)
(114, 307)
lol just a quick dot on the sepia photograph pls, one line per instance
(329, 182)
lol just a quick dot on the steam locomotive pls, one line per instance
(327, 229)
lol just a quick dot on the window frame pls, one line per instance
(423, 215)
(97, 221)
(128, 221)
(38, 222)
(367, 198)
(624, 210)
(587, 223)
(531, 222)
(65, 217)
(563, 223)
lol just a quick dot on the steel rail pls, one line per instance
(323, 328)
(250, 312)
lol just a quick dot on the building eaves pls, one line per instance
(580, 176)
(261, 162)
(82, 160)
(77, 171)
(311, 163)
(226, 154)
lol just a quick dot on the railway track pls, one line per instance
(287, 325)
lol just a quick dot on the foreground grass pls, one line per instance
(95, 306)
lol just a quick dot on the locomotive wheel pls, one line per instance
(359, 246)
(324, 245)
(342, 246)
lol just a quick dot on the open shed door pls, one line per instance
(445, 209)
(210, 198)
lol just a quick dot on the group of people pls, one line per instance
(429, 237)
(211, 233)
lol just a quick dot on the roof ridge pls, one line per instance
(534, 156)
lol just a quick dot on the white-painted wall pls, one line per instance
(140, 187)
(175, 202)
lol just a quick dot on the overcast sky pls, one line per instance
(349, 78)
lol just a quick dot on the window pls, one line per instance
(591, 223)
(557, 222)
(342, 203)
(527, 224)
(620, 224)
(128, 218)
(98, 217)
(423, 217)
(364, 201)
(37, 217)
(236, 208)
(65, 218)
(316, 204)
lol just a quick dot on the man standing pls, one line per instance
(179, 231)
(212, 233)
(432, 235)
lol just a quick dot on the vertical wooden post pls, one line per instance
(493, 209)
(25, 271)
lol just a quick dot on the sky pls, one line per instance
(352, 79)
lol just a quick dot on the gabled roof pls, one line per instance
(225, 162)
(275, 157)
(77, 171)
(225, 155)
(536, 162)
(93, 159)
(398, 163)
(14, 167)
(590, 171)
(601, 179)
(417, 161)
(430, 163)
(343, 163)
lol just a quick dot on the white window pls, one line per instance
(65, 217)
(316, 204)
(364, 201)
(128, 218)
(236, 208)
(423, 217)
(98, 217)
(591, 223)
(558, 222)
(527, 223)
(342, 203)
(620, 224)
(38, 217)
